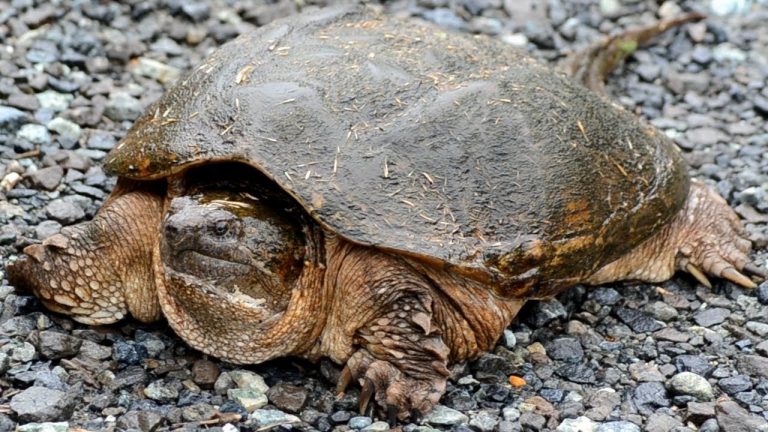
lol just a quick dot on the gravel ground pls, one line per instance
(675, 357)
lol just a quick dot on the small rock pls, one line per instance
(688, 383)
(758, 328)
(249, 399)
(379, 426)
(47, 178)
(509, 339)
(128, 353)
(55, 345)
(545, 311)
(11, 119)
(729, 7)
(710, 317)
(358, 422)
(669, 9)
(68, 132)
(753, 365)
(35, 133)
(65, 212)
(160, 72)
(484, 421)
(196, 11)
(247, 380)
(565, 349)
(605, 296)
(762, 293)
(288, 397)
(205, 373)
(532, 421)
(44, 427)
(733, 418)
(267, 419)
(40, 404)
(618, 426)
(578, 373)
(223, 383)
(54, 101)
(145, 421)
(443, 416)
(735, 384)
(660, 422)
(161, 391)
(638, 321)
(341, 417)
(699, 412)
(649, 396)
(198, 412)
(123, 107)
(578, 424)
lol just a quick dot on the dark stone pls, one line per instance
(691, 363)
(735, 384)
(578, 373)
(541, 313)
(341, 417)
(287, 397)
(638, 321)
(733, 418)
(11, 119)
(144, 421)
(699, 412)
(460, 400)
(55, 345)
(565, 349)
(205, 373)
(47, 178)
(604, 296)
(710, 317)
(762, 293)
(649, 396)
(128, 354)
(753, 365)
(552, 395)
(532, 421)
(40, 404)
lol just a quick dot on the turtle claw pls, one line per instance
(696, 273)
(734, 276)
(365, 397)
(755, 270)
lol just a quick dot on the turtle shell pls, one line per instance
(456, 150)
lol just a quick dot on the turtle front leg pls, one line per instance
(99, 271)
(704, 238)
(385, 309)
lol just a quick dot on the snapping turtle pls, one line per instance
(379, 192)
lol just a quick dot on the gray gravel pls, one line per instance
(629, 357)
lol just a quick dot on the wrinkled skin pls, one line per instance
(244, 270)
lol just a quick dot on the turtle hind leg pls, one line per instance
(705, 239)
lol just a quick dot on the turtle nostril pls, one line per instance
(171, 231)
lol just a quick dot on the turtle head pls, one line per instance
(236, 245)
(99, 271)
(238, 278)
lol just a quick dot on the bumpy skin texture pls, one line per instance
(441, 146)
(539, 186)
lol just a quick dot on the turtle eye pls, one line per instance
(221, 228)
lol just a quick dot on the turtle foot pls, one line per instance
(401, 396)
(706, 239)
(713, 242)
